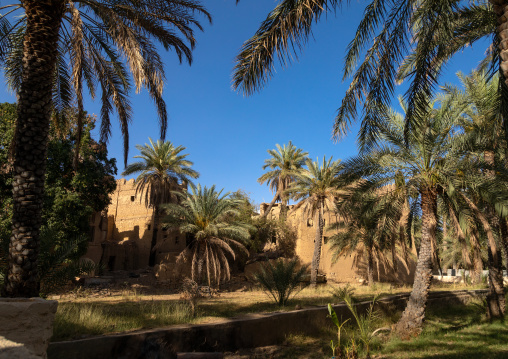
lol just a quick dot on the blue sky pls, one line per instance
(227, 135)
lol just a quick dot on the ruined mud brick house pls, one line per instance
(350, 268)
(121, 236)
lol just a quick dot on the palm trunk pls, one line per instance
(495, 298)
(394, 253)
(504, 238)
(501, 9)
(477, 257)
(316, 257)
(156, 218)
(269, 208)
(370, 265)
(43, 20)
(412, 319)
(283, 208)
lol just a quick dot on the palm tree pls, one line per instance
(285, 165)
(317, 188)
(484, 137)
(96, 35)
(205, 216)
(164, 170)
(410, 38)
(429, 167)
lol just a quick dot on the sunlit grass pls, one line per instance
(77, 320)
(87, 316)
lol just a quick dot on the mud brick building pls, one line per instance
(121, 236)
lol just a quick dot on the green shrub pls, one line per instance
(57, 264)
(281, 280)
(341, 292)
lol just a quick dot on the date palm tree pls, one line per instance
(284, 166)
(53, 50)
(430, 167)
(395, 40)
(207, 217)
(163, 169)
(485, 139)
(317, 189)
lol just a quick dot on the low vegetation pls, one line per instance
(83, 316)
(450, 332)
(281, 279)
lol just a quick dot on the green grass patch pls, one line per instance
(78, 320)
(451, 333)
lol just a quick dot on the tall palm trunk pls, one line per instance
(501, 9)
(316, 257)
(495, 298)
(155, 233)
(504, 238)
(43, 20)
(477, 257)
(412, 319)
(394, 254)
(370, 267)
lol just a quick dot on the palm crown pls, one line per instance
(205, 215)
(93, 39)
(284, 167)
(162, 168)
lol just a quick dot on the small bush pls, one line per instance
(281, 280)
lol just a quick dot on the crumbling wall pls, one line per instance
(124, 232)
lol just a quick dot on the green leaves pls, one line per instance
(211, 220)
(280, 280)
(163, 169)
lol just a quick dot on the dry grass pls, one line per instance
(81, 317)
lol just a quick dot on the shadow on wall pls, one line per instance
(123, 254)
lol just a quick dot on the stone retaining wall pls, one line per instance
(230, 335)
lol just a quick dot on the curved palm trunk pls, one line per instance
(412, 319)
(501, 8)
(155, 232)
(316, 257)
(269, 208)
(43, 19)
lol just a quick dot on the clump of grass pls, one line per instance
(77, 320)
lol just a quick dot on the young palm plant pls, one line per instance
(94, 36)
(282, 279)
(429, 168)
(317, 188)
(163, 169)
(284, 166)
(206, 217)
